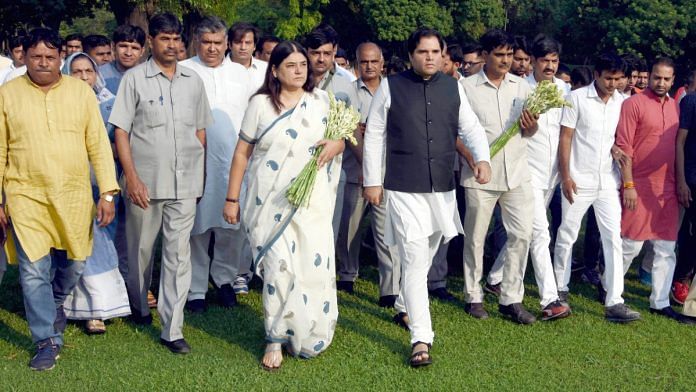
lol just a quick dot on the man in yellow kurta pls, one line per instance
(50, 132)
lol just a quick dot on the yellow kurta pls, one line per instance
(47, 142)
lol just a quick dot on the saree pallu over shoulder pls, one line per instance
(293, 248)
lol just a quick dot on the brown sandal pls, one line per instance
(422, 362)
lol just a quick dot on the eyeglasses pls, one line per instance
(471, 63)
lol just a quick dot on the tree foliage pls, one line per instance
(394, 20)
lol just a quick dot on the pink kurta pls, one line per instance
(647, 132)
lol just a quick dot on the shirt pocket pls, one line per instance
(185, 116)
(154, 116)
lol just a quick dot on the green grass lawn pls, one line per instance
(368, 353)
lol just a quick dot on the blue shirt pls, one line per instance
(687, 120)
(112, 76)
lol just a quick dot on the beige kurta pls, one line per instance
(47, 142)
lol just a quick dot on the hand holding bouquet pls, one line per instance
(340, 124)
(546, 96)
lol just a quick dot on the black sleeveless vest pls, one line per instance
(421, 133)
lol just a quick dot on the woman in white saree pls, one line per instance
(293, 247)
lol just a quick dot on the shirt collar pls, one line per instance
(483, 78)
(31, 82)
(362, 85)
(152, 69)
(592, 92)
(651, 94)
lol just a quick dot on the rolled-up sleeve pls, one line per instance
(471, 131)
(375, 136)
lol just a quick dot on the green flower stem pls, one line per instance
(502, 140)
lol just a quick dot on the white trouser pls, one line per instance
(228, 252)
(607, 208)
(416, 258)
(539, 250)
(663, 263)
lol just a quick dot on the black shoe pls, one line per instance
(387, 301)
(197, 306)
(178, 346)
(689, 320)
(345, 285)
(46, 355)
(61, 320)
(620, 313)
(401, 319)
(563, 297)
(228, 298)
(601, 294)
(442, 294)
(517, 313)
(476, 310)
(141, 320)
(668, 312)
(492, 289)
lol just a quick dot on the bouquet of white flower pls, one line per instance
(546, 96)
(340, 124)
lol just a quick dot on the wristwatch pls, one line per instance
(108, 197)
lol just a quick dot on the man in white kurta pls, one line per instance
(228, 88)
(419, 218)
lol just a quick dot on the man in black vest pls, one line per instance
(415, 118)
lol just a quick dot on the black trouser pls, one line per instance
(686, 244)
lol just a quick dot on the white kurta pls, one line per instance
(416, 216)
(228, 88)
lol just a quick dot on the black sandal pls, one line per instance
(423, 362)
(401, 319)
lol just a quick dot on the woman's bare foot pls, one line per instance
(273, 357)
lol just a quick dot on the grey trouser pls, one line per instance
(175, 219)
(228, 252)
(517, 207)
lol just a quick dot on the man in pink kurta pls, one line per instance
(647, 133)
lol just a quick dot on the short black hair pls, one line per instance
(454, 51)
(74, 37)
(92, 41)
(128, 33)
(264, 39)
(423, 32)
(317, 38)
(545, 45)
(610, 62)
(520, 44)
(495, 38)
(238, 30)
(328, 31)
(15, 41)
(664, 61)
(631, 61)
(166, 23)
(562, 68)
(342, 54)
(691, 78)
(642, 65)
(49, 37)
(471, 47)
(396, 64)
(581, 75)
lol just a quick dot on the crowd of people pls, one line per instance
(103, 150)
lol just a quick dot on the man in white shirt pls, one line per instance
(228, 89)
(16, 57)
(242, 38)
(415, 118)
(542, 156)
(589, 178)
